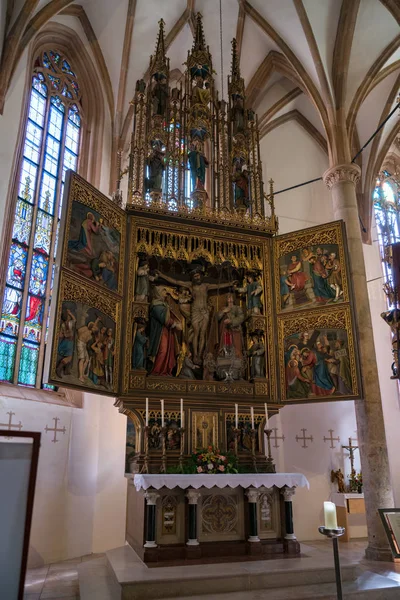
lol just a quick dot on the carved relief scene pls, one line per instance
(200, 317)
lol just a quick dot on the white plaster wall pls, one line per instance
(80, 498)
(290, 157)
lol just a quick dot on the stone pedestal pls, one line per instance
(341, 180)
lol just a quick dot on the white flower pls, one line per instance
(210, 466)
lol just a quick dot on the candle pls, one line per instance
(182, 415)
(266, 416)
(147, 412)
(236, 416)
(162, 413)
(330, 515)
(252, 416)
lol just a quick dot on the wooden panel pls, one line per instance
(356, 505)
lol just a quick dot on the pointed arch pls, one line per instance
(295, 115)
(342, 49)
(281, 103)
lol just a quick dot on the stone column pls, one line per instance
(151, 500)
(193, 497)
(341, 180)
(288, 493)
(252, 496)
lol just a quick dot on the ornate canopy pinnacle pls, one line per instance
(159, 62)
(199, 42)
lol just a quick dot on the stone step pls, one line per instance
(139, 581)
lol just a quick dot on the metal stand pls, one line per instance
(145, 468)
(236, 433)
(334, 534)
(253, 433)
(270, 462)
(182, 447)
(163, 434)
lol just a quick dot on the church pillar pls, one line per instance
(341, 180)
(252, 496)
(151, 500)
(193, 497)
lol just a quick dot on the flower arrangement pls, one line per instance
(210, 460)
(356, 481)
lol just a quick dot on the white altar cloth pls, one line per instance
(268, 480)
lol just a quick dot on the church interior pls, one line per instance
(199, 332)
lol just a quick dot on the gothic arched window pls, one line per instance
(50, 147)
(387, 216)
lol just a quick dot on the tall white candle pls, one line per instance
(266, 416)
(147, 412)
(162, 413)
(252, 416)
(236, 416)
(182, 415)
(330, 515)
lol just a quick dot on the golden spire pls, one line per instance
(199, 42)
(236, 82)
(159, 61)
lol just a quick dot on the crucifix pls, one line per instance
(276, 437)
(351, 450)
(10, 425)
(304, 438)
(55, 429)
(332, 439)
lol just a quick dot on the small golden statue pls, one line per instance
(338, 475)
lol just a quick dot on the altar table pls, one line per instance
(172, 517)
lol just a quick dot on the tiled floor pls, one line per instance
(56, 581)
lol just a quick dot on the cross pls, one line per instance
(351, 449)
(304, 438)
(47, 429)
(331, 439)
(276, 437)
(9, 425)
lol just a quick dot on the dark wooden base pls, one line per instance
(218, 552)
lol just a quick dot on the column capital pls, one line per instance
(151, 497)
(288, 493)
(193, 496)
(341, 173)
(252, 494)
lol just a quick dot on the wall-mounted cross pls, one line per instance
(331, 439)
(351, 450)
(10, 424)
(304, 438)
(55, 429)
(276, 437)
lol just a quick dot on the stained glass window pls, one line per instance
(387, 215)
(50, 148)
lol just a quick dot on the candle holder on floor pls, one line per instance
(334, 534)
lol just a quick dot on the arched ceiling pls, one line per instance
(331, 65)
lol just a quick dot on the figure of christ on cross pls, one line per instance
(199, 314)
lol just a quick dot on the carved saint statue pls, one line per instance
(256, 353)
(143, 279)
(338, 475)
(197, 164)
(238, 115)
(156, 166)
(163, 343)
(253, 291)
(139, 346)
(159, 95)
(231, 318)
(241, 183)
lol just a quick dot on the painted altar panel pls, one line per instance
(310, 268)
(85, 346)
(94, 235)
(199, 312)
(317, 356)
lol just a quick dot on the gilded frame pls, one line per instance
(138, 384)
(79, 190)
(295, 241)
(336, 318)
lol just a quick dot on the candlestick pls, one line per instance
(253, 434)
(252, 416)
(145, 468)
(270, 463)
(334, 534)
(266, 416)
(163, 434)
(147, 412)
(330, 515)
(162, 413)
(182, 415)
(182, 447)
(236, 416)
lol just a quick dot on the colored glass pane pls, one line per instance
(74, 116)
(17, 265)
(66, 68)
(37, 108)
(47, 62)
(44, 224)
(55, 81)
(12, 304)
(28, 364)
(39, 268)
(28, 170)
(55, 57)
(72, 137)
(7, 357)
(39, 85)
(47, 192)
(34, 314)
(22, 222)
